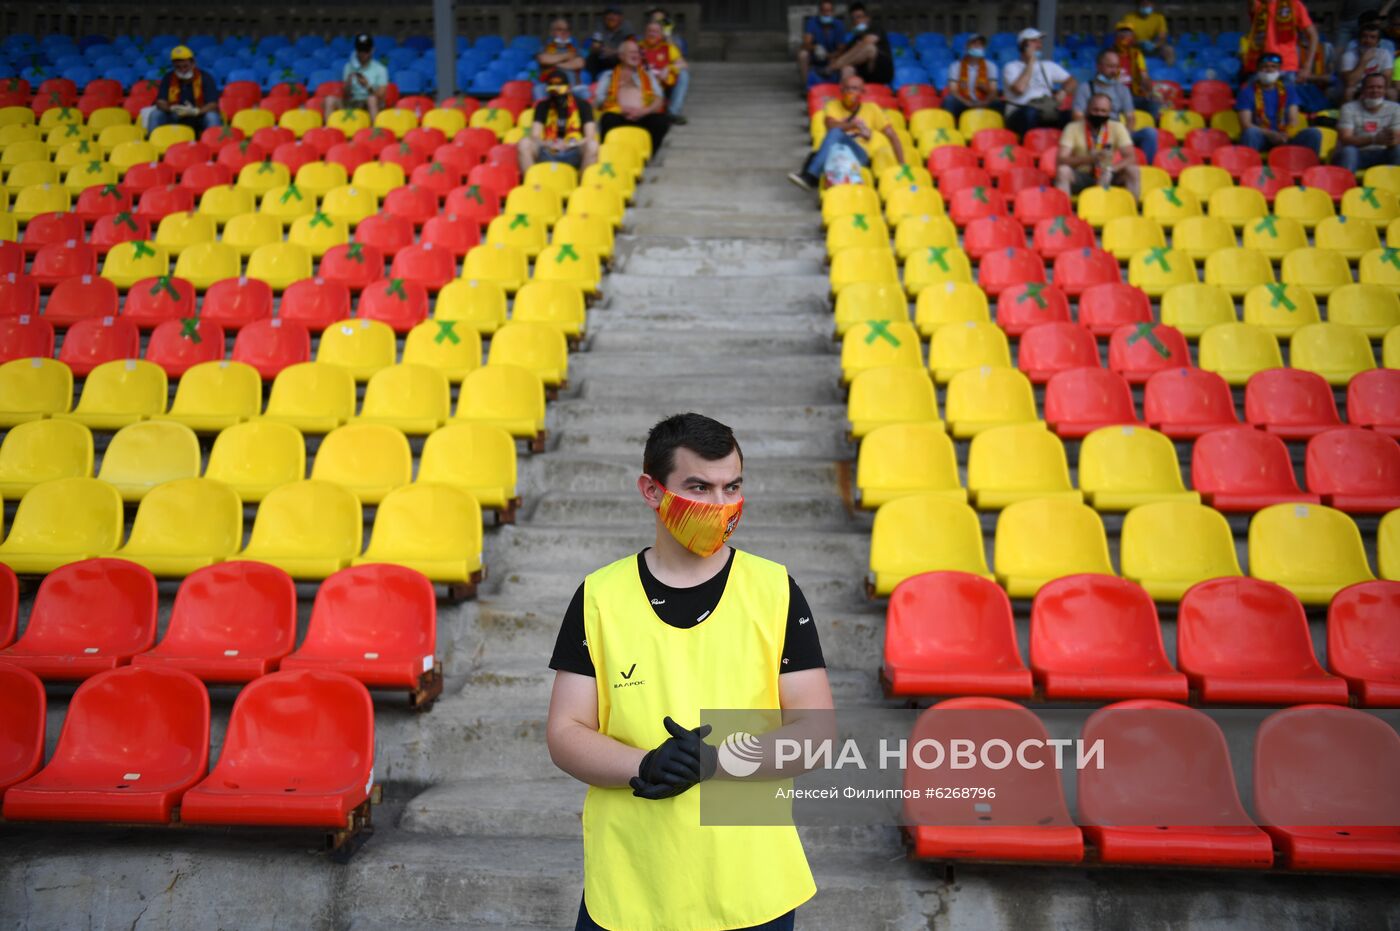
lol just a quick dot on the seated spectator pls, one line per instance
(604, 45)
(187, 95)
(364, 79)
(1268, 110)
(1096, 150)
(1368, 129)
(560, 53)
(1132, 71)
(1367, 18)
(658, 15)
(1282, 28)
(867, 50)
(1030, 86)
(629, 96)
(1368, 58)
(563, 129)
(1150, 29)
(1318, 86)
(851, 123)
(972, 80)
(670, 69)
(1107, 83)
(822, 36)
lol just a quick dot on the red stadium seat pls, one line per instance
(1333, 179)
(1363, 642)
(350, 155)
(270, 137)
(232, 622)
(1236, 159)
(1246, 641)
(1041, 139)
(989, 234)
(1355, 470)
(411, 202)
(1006, 268)
(1292, 159)
(1104, 308)
(271, 345)
(86, 297)
(200, 177)
(184, 155)
(353, 265)
(316, 303)
(25, 337)
(478, 203)
(950, 633)
(458, 235)
(986, 140)
(159, 202)
(177, 345)
(147, 176)
(114, 228)
(386, 232)
(1324, 782)
(1023, 306)
(976, 201)
(1096, 637)
(1056, 234)
(239, 95)
(322, 138)
(295, 154)
(1266, 180)
(1050, 348)
(12, 255)
(153, 301)
(23, 712)
(459, 157)
(237, 302)
(1015, 180)
(506, 156)
(399, 302)
(425, 265)
(217, 136)
(1185, 403)
(500, 178)
(1140, 350)
(1295, 404)
(425, 139)
(95, 340)
(1175, 160)
(1006, 157)
(299, 752)
(87, 617)
(60, 260)
(45, 229)
(1079, 401)
(1205, 141)
(9, 618)
(1029, 820)
(100, 200)
(132, 742)
(1245, 470)
(1209, 97)
(438, 177)
(1077, 270)
(950, 157)
(19, 294)
(1373, 400)
(403, 155)
(1165, 795)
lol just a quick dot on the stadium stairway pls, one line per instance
(718, 304)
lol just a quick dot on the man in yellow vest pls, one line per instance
(647, 643)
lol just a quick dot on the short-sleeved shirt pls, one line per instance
(1356, 118)
(1245, 103)
(209, 88)
(1286, 50)
(1074, 141)
(955, 75)
(1382, 62)
(830, 36)
(374, 72)
(1044, 77)
(1146, 28)
(1118, 93)
(870, 112)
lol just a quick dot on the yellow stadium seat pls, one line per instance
(897, 176)
(37, 175)
(256, 457)
(1238, 206)
(444, 345)
(185, 525)
(1180, 122)
(889, 395)
(472, 302)
(1127, 236)
(858, 230)
(310, 529)
(103, 117)
(1321, 271)
(967, 345)
(507, 396)
(920, 533)
(906, 459)
(918, 232)
(570, 262)
(73, 153)
(299, 121)
(1099, 205)
(9, 226)
(57, 116)
(559, 304)
(913, 200)
(1194, 308)
(20, 152)
(605, 172)
(252, 120)
(1017, 462)
(1151, 178)
(1309, 206)
(1381, 266)
(1228, 122)
(592, 232)
(223, 202)
(562, 177)
(921, 121)
(1388, 547)
(126, 146)
(318, 233)
(476, 458)
(537, 201)
(504, 265)
(207, 262)
(1043, 539)
(597, 199)
(35, 199)
(215, 395)
(40, 451)
(1390, 349)
(1311, 550)
(34, 388)
(624, 159)
(868, 300)
(1236, 351)
(86, 174)
(1170, 205)
(280, 264)
(987, 397)
(449, 120)
(143, 455)
(1238, 271)
(435, 529)
(1333, 350)
(1121, 467)
(1378, 206)
(320, 178)
(415, 399)
(286, 202)
(362, 347)
(876, 344)
(1386, 177)
(1157, 270)
(1372, 308)
(538, 347)
(1168, 546)
(379, 178)
(129, 262)
(369, 459)
(519, 230)
(260, 177)
(121, 392)
(16, 115)
(246, 232)
(934, 265)
(314, 397)
(497, 120)
(846, 199)
(1274, 237)
(1280, 308)
(633, 137)
(1351, 238)
(970, 121)
(952, 302)
(349, 120)
(63, 521)
(163, 137)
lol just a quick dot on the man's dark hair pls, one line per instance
(704, 436)
(853, 7)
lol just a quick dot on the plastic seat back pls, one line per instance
(477, 458)
(362, 347)
(369, 459)
(902, 546)
(254, 458)
(906, 458)
(90, 342)
(399, 302)
(1183, 403)
(1079, 401)
(1049, 348)
(179, 345)
(236, 302)
(1355, 470)
(143, 455)
(1022, 560)
(25, 708)
(185, 525)
(314, 397)
(890, 394)
(215, 395)
(315, 303)
(1361, 641)
(1335, 351)
(986, 397)
(1373, 401)
(509, 396)
(269, 346)
(83, 298)
(1105, 307)
(1121, 467)
(1311, 550)
(1016, 462)
(435, 529)
(1236, 351)
(1168, 546)
(414, 398)
(1372, 308)
(43, 450)
(1292, 403)
(33, 388)
(310, 529)
(1282, 309)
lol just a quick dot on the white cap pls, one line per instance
(1030, 32)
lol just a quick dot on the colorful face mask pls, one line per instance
(699, 526)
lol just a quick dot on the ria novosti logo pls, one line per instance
(741, 754)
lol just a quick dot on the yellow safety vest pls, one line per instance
(651, 864)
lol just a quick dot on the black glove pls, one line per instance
(683, 760)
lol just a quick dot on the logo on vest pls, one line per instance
(627, 678)
(740, 755)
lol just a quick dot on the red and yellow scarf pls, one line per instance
(1261, 113)
(610, 104)
(1264, 13)
(660, 57)
(1093, 145)
(196, 82)
(1133, 60)
(572, 124)
(981, 87)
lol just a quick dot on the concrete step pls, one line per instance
(620, 335)
(807, 292)
(705, 258)
(717, 221)
(814, 386)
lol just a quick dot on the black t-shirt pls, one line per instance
(881, 70)
(208, 88)
(544, 112)
(687, 607)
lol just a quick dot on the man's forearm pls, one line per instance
(593, 757)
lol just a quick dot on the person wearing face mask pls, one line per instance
(1106, 81)
(822, 36)
(972, 80)
(560, 53)
(853, 123)
(187, 95)
(1096, 150)
(1368, 129)
(1268, 110)
(1368, 58)
(1036, 90)
(562, 130)
(649, 641)
(1150, 29)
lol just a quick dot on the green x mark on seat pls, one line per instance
(395, 287)
(291, 191)
(858, 222)
(163, 283)
(1032, 293)
(1278, 297)
(1173, 198)
(1368, 196)
(142, 248)
(189, 329)
(880, 329)
(1267, 224)
(355, 252)
(935, 256)
(566, 251)
(1146, 331)
(320, 219)
(519, 220)
(1158, 254)
(447, 332)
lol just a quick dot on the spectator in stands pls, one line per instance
(1368, 58)
(658, 15)
(1150, 29)
(1268, 110)
(629, 96)
(1318, 86)
(1367, 18)
(1282, 28)
(1030, 85)
(867, 50)
(1107, 83)
(1132, 71)
(851, 123)
(365, 80)
(822, 36)
(563, 129)
(561, 53)
(605, 45)
(972, 80)
(1096, 150)
(669, 67)
(1368, 130)
(187, 95)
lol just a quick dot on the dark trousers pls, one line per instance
(781, 923)
(655, 124)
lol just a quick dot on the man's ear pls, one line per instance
(651, 491)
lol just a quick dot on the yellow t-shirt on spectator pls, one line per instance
(870, 113)
(1074, 141)
(1146, 28)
